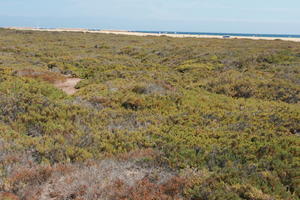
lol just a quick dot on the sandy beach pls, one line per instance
(121, 32)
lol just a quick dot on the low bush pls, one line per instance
(154, 117)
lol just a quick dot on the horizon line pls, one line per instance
(149, 31)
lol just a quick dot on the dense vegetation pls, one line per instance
(153, 118)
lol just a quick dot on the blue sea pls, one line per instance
(224, 34)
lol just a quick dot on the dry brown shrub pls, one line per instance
(138, 154)
(8, 196)
(30, 175)
(107, 179)
(47, 76)
(145, 189)
(26, 181)
(124, 177)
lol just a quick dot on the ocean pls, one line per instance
(224, 34)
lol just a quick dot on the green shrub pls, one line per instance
(225, 113)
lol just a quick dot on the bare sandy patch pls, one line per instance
(68, 86)
(65, 83)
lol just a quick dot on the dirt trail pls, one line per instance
(68, 86)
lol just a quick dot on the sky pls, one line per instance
(229, 16)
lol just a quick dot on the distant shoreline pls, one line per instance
(174, 35)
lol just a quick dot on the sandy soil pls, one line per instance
(120, 32)
(199, 36)
(68, 86)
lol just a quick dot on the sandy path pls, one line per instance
(68, 86)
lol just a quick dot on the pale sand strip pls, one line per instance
(68, 86)
(118, 32)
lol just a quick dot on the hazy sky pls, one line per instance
(240, 16)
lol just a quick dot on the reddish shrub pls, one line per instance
(50, 77)
(148, 190)
(8, 196)
(31, 176)
(26, 181)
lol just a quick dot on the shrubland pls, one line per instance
(153, 117)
